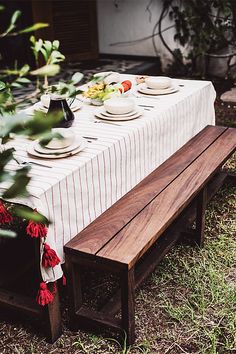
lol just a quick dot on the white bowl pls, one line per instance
(119, 105)
(67, 139)
(112, 78)
(158, 82)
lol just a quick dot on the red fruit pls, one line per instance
(125, 87)
(127, 82)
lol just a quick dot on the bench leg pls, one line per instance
(127, 304)
(74, 287)
(200, 218)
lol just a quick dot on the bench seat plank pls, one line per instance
(136, 237)
(94, 237)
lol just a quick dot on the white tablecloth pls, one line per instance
(76, 190)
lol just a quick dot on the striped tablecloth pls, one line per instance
(76, 190)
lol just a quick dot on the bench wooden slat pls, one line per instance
(20, 302)
(147, 222)
(102, 230)
(136, 237)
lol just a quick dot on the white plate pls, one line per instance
(147, 91)
(83, 99)
(110, 115)
(104, 73)
(32, 152)
(88, 100)
(43, 150)
(100, 116)
(75, 106)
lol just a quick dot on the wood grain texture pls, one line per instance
(103, 229)
(52, 315)
(137, 236)
(74, 24)
(88, 319)
(128, 304)
(21, 303)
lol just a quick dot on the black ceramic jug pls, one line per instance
(58, 104)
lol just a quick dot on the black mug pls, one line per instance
(60, 105)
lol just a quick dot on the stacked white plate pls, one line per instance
(157, 86)
(57, 149)
(101, 113)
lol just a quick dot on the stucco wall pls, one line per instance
(130, 21)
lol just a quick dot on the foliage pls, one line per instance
(18, 123)
(67, 88)
(203, 27)
(51, 55)
(11, 30)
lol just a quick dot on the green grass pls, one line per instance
(198, 286)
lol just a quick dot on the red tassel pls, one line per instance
(50, 258)
(44, 296)
(5, 216)
(63, 280)
(36, 229)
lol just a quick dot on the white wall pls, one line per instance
(129, 22)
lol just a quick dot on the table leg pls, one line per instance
(52, 315)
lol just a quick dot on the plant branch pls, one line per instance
(140, 39)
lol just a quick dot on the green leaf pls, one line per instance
(40, 123)
(46, 70)
(34, 27)
(2, 8)
(29, 214)
(56, 57)
(16, 85)
(47, 137)
(7, 233)
(55, 44)
(23, 80)
(24, 70)
(5, 176)
(48, 46)
(23, 125)
(12, 26)
(5, 157)
(38, 45)
(32, 39)
(18, 188)
(77, 77)
(45, 54)
(15, 16)
(2, 85)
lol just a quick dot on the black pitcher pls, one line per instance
(58, 104)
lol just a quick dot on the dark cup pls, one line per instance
(61, 106)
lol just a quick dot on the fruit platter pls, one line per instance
(104, 86)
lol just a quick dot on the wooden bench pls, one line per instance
(132, 236)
